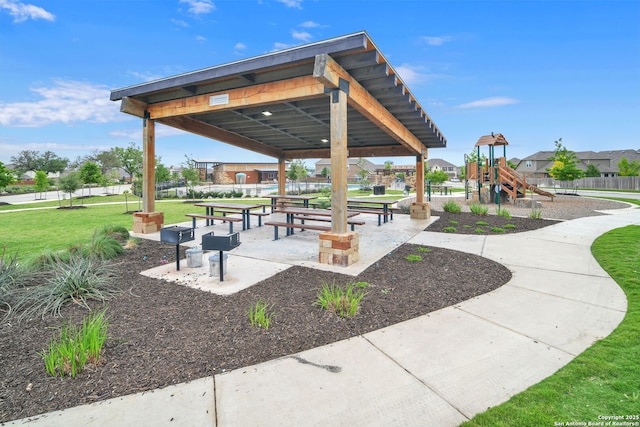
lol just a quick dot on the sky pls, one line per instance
(535, 71)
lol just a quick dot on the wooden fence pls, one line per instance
(609, 183)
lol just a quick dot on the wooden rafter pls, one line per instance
(214, 132)
(329, 73)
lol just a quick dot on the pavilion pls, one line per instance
(336, 99)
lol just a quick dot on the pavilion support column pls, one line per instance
(339, 246)
(148, 221)
(420, 209)
(282, 176)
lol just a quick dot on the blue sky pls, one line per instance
(535, 71)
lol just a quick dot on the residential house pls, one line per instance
(439, 164)
(238, 173)
(354, 166)
(536, 165)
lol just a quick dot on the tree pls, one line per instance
(297, 171)
(42, 182)
(29, 160)
(592, 171)
(564, 164)
(162, 173)
(51, 162)
(69, 184)
(130, 160)
(324, 172)
(363, 174)
(191, 175)
(107, 160)
(90, 174)
(7, 177)
(26, 160)
(627, 168)
(437, 177)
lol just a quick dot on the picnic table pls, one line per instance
(304, 214)
(283, 197)
(244, 210)
(374, 206)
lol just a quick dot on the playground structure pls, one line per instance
(490, 179)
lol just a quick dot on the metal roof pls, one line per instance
(298, 127)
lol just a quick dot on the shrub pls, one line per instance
(77, 280)
(497, 229)
(479, 230)
(413, 258)
(449, 229)
(75, 347)
(452, 207)
(260, 314)
(118, 232)
(12, 274)
(453, 222)
(503, 213)
(535, 214)
(103, 247)
(479, 209)
(482, 223)
(344, 302)
(423, 249)
(509, 226)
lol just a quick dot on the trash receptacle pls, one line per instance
(378, 190)
(194, 257)
(214, 265)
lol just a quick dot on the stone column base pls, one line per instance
(147, 222)
(339, 249)
(420, 210)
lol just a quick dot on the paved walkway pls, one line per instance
(439, 369)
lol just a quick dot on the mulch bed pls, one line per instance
(162, 333)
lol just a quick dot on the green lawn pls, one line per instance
(605, 378)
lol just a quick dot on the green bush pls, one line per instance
(449, 229)
(452, 207)
(118, 232)
(261, 314)
(482, 223)
(535, 214)
(497, 229)
(77, 280)
(479, 209)
(503, 213)
(344, 302)
(75, 347)
(103, 247)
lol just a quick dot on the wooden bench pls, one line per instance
(211, 218)
(351, 222)
(259, 215)
(372, 211)
(289, 226)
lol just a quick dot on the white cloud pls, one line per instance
(201, 39)
(198, 7)
(180, 23)
(496, 101)
(240, 46)
(281, 46)
(301, 35)
(146, 77)
(21, 12)
(135, 134)
(309, 24)
(436, 40)
(292, 3)
(66, 102)
(415, 74)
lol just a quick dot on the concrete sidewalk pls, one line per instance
(439, 369)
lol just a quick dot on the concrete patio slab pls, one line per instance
(471, 362)
(348, 383)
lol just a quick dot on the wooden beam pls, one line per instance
(148, 165)
(133, 107)
(328, 72)
(203, 129)
(291, 90)
(325, 153)
(339, 156)
(282, 176)
(420, 178)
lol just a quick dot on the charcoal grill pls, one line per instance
(176, 235)
(221, 244)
